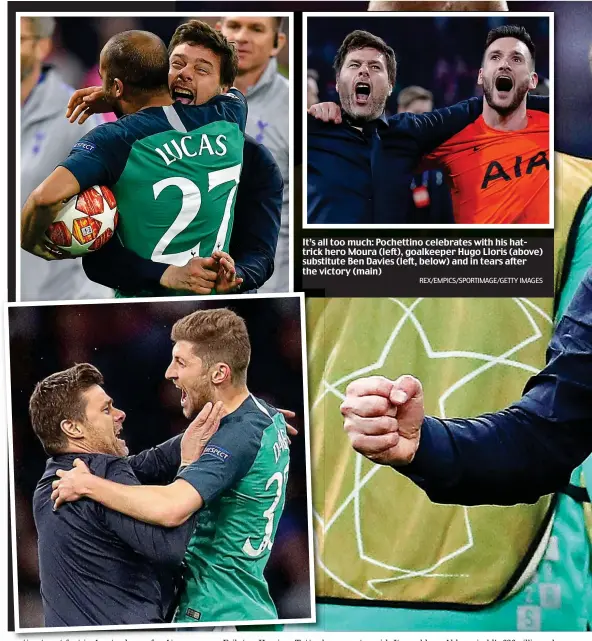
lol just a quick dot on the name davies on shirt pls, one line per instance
(189, 147)
(521, 167)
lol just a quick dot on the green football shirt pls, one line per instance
(241, 476)
(174, 171)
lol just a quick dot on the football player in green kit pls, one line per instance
(238, 484)
(174, 168)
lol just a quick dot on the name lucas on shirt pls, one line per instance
(187, 148)
(522, 167)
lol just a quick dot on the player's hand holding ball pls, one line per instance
(48, 251)
(383, 418)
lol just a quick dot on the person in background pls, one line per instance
(429, 194)
(46, 138)
(259, 39)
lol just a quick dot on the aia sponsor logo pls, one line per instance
(522, 167)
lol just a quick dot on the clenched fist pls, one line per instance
(383, 418)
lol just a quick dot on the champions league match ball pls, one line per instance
(85, 222)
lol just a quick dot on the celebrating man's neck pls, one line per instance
(161, 99)
(232, 398)
(513, 121)
(78, 447)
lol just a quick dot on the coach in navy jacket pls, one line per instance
(97, 566)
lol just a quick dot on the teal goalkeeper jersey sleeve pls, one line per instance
(241, 476)
(174, 171)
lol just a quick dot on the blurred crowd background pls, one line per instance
(77, 42)
(131, 346)
(441, 54)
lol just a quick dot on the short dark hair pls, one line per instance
(360, 40)
(219, 335)
(139, 59)
(57, 398)
(196, 32)
(512, 31)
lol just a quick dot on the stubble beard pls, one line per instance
(519, 94)
(371, 111)
(197, 398)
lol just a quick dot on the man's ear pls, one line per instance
(220, 373)
(71, 429)
(281, 43)
(534, 80)
(118, 88)
(480, 77)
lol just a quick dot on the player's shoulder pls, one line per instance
(252, 418)
(233, 94)
(225, 106)
(105, 133)
(538, 118)
(240, 433)
(114, 468)
(253, 409)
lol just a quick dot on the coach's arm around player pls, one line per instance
(166, 505)
(512, 456)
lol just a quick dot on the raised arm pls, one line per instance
(159, 544)
(168, 505)
(160, 464)
(432, 129)
(512, 456)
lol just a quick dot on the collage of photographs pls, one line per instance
(298, 320)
